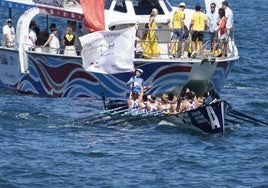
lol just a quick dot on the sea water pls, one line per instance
(41, 145)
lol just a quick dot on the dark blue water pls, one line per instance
(40, 146)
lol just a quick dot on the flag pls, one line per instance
(109, 52)
(93, 11)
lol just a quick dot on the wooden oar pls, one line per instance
(237, 113)
(111, 114)
(232, 121)
(110, 111)
(136, 117)
(242, 118)
(98, 115)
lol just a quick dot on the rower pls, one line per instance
(212, 96)
(188, 104)
(152, 104)
(134, 100)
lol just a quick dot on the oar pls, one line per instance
(232, 121)
(137, 117)
(98, 115)
(119, 111)
(241, 118)
(111, 114)
(247, 116)
(125, 115)
(111, 110)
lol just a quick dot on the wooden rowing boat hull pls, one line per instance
(207, 118)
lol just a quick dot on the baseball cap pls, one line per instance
(140, 70)
(182, 4)
(9, 20)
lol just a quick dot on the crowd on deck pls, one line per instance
(167, 103)
(185, 42)
(188, 41)
(45, 41)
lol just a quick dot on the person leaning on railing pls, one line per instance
(53, 41)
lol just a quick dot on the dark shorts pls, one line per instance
(197, 35)
(213, 36)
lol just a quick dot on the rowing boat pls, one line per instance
(207, 118)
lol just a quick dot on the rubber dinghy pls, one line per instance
(207, 118)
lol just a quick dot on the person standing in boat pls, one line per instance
(68, 42)
(9, 34)
(150, 46)
(177, 27)
(197, 26)
(53, 41)
(136, 82)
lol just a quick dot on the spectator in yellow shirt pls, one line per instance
(177, 27)
(198, 26)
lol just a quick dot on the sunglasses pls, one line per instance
(212, 7)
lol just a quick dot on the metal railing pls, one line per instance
(164, 43)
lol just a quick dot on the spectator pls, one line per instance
(197, 26)
(150, 46)
(229, 16)
(177, 27)
(223, 36)
(68, 42)
(9, 34)
(53, 41)
(213, 18)
(32, 35)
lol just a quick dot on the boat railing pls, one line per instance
(50, 50)
(164, 42)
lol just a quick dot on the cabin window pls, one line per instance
(120, 6)
(144, 7)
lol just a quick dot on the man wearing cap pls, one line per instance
(177, 27)
(9, 33)
(136, 82)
